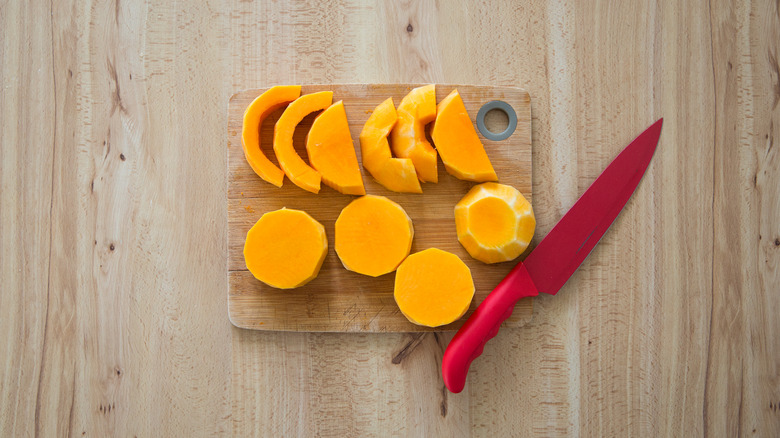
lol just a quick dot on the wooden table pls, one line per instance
(112, 220)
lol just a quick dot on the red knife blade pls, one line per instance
(554, 260)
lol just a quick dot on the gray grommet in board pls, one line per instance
(510, 113)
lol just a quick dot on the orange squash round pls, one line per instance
(495, 223)
(285, 248)
(373, 235)
(433, 287)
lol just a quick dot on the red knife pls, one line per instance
(558, 255)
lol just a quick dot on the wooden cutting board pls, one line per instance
(339, 300)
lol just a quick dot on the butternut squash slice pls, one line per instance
(285, 248)
(495, 223)
(266, 103)
(457, 142)
(433, 287)
(417, 109)
(376, 128)
(332, 152)
(373, 235)
(300, 173)
(396, 174)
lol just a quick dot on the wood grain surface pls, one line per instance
(339, 300)
(113, 220)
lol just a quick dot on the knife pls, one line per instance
(558, 255)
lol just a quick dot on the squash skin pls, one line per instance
(332, 152)
(433, 288)
(494, 222)
(300, 173)
(457, 142)
(272, 99)
(373, 235)
(417, 109)
(396, 174)
(285, 248)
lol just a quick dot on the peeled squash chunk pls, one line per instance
(495, 223)
(373, 235)
(376, 129)
(417, 109)
(300, 173)
(396, 174)
(455, 138)
(433, 287)
(266, 103)
(332, 153)
(285, 248)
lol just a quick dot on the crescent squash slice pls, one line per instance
(396, 174)
(266, 103)
(417, 109)
(300, 173)
(455, 138)
(332, 152)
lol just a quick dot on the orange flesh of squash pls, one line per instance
(455, 138)
(417, 109)
(300, 173)
(396, 174)
(285, 248)
(266, 103)
(495, 223)
(377, 127)
(332, 152)
(433, 287)
(373, 235)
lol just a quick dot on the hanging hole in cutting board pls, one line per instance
(496, 120)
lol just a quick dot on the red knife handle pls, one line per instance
(483, 325)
